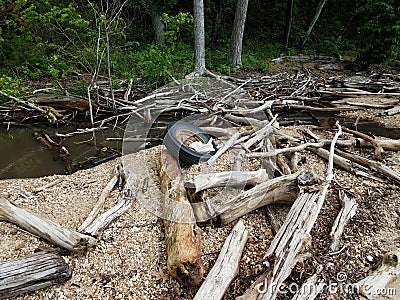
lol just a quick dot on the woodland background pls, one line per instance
(49, 39)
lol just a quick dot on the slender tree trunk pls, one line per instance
(158, 29)
(237, 33)
(288, 23)
(314, 20)
(217, 21)
(199, 37)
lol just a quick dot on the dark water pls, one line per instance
(21, 155)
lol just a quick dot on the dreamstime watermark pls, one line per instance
(338, 286)
(138, 132)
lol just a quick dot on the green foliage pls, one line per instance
(379, 39)
(11, 86)
(178, 27)
(155, 63)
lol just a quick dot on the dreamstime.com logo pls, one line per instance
(139, 129)
(339, 286)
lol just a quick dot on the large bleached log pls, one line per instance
(183, 240)
(32, 272)
(46, 229)
(281, 190)
(229, 178)
(226, 266)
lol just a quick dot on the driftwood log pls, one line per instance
(226, 266)
(32, 272)
(183, 240)
(46, 229)
(281, 190)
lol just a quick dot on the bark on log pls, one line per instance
(46, 229)
(226, 267)
(32, 272)
(183, 240)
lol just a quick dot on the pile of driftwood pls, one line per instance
(253, 125)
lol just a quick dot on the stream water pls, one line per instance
(21, 155)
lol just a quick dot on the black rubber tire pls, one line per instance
(181, 152)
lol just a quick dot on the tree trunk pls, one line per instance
(217, 21)
(310, 28)
(199, 37)
(288, 23)
(158, 29)
(237, 33)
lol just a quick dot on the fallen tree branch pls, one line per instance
(224, 148)
(282, 190)
(226, 267)
(348, 211)
(46, 229)
(378, 150)
(286, 150)
(372, 165)
(124, 202)
(102, 199)
(31, 105)
(50, 184)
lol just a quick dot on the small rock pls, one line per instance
(370, 258)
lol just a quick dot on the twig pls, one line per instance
(31, 105)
